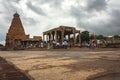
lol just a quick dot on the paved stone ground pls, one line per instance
(10, 72)
(75, 64)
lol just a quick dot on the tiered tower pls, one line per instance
(16, 32)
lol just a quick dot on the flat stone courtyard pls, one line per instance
(81, 64)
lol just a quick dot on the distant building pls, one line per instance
(16, 35)
(61, 33)
(38, 38)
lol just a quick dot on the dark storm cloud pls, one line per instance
(76, 12)
(7, 11)
(29, 21)
(104, 26)
(97, 5)
(81, 15)
(16, 1)
(115, 17)
(36, 9)
(2, 37)
(114, 23)
(52, 3)
(2, 32)
(10, 6)
(110, 27)
(1, 12)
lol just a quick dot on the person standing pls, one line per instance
(57, 44)
(53, 44)
(98, 43)
(90, 44)
(41, 44)
(65, 44)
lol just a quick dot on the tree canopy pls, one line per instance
(100, 37)
(1, 45)
(116, 36)
(85, 36)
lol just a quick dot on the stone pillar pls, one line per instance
(47, 37)
(51, 36)
(69, 37)
(43, 37)
(62, 35)
(74, 37)
(56, 36)
(79, 38)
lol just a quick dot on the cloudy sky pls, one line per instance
(96, 16)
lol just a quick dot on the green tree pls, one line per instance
(100, 37)
(1, 45)
(85, 36)
(92, 36)
(116, 36)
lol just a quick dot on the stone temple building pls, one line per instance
(61, 33)
(16, 35)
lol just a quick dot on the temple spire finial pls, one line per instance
(16, 14)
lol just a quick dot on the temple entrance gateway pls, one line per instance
(61, 33)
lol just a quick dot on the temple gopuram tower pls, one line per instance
(15, 33)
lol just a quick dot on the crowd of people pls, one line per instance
(96, 43)
(65, 44)
(56, 44)
(49, 45)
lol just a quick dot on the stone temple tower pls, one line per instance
(15, 33)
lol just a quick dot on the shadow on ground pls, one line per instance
(9, 72)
